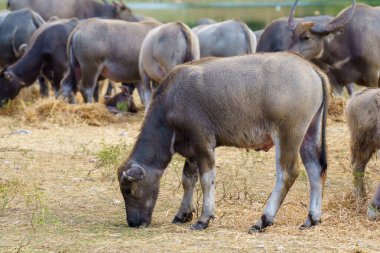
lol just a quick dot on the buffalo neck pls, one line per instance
(334, 49)
(153, 146)
(28, 68)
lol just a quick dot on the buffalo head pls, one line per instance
(139, 188)
(10, 86)
(122, 100)
(308, 37)
(123, 12)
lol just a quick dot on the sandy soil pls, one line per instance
(54, 197)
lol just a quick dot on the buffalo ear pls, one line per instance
(135, 173)
(8, 76)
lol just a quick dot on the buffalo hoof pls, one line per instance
(256, 229)
(261, 225)
(187, 217)
(310, 222)
(373, 212)
(199, 226)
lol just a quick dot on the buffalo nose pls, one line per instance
(134, 224)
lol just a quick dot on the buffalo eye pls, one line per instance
(305, 38)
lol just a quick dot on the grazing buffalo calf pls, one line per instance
(164, 48)
(363, 121)
(243, 101)
(46, 55)
(114, 55)
(347, 48)
(225, 39)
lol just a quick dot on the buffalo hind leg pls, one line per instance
(360, 158)
(287, 171)
(90, 76)
(147, 90)
(189, 180)
(314, 160)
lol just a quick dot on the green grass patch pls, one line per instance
(110, 156)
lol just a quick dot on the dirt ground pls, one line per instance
(58, 194)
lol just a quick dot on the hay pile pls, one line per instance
(337, 108)
(59, 112)
(25, 98)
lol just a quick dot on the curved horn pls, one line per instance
(14, 49)
(338, 22)
(291, 21)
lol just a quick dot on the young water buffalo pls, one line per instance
(164, 48)
(224, 39)
(46, 55)
(114, 55)
(348, 47)
(243, 101)
(363, 121)
(80, 9)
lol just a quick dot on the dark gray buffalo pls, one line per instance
(164, 48)
(277, 36)
(114, 55)
(251, 110)
(363, 121)
(347, 47)
(80, 9)
(16, 29)
(46, 55)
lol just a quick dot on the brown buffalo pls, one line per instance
(243, 101)
(164, 48)
(363, 117)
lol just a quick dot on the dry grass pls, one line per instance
(62, 113)
(72, 207)
(30, 109)
(336, 109)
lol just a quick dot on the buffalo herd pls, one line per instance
(216, 84)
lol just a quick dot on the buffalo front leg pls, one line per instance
(44, 89)
(189, 180)
(207, 178)
(287, 171)
(374, 209)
